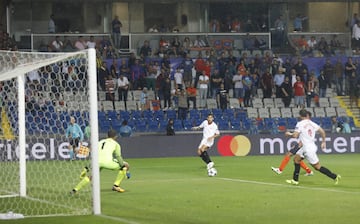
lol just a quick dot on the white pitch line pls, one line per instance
(287, 185)
(118, 219)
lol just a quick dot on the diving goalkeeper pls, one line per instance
(109, 158)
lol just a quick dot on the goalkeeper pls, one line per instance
(109, 158)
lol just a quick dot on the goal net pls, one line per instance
(39, 92)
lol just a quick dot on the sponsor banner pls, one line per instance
(152, 146)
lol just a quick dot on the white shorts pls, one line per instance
(309, 153)
(206, 143)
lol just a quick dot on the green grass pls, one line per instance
(177, 190)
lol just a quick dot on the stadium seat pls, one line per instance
(263, 112)
(268, 102)
(235, 124)
(286, 112)
(274, 112)
(194, 114)
(211, 103)
(222, 124)
(218, 113)
(153, 126)
(252, 112)
(188, 124)
(234, 103)
(178, 126)
(171, 114)
(159, 115)
(330, 111)
(319, 112)
(334, 102)
(257, 103)
(124, 115)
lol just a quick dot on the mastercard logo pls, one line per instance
(229, 145)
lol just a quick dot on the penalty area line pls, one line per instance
(286, 185)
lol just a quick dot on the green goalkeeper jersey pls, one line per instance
(109, 149)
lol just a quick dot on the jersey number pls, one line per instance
(102, 146)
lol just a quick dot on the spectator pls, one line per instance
(322, 84)
(247, 83)
(125, 130)
(191, 95)
(267, 84)
(298, 22)
(339, 77)
(75, 136)
(286, 92)
(51, 25)
(170, 128)
(80, 44)
(278, 81)
(354, 88)
(123, 88)
(336, 127)
(91, 43)
(57, 45)
(346, 126)
(116, 31)
(145, 50)
(199, 43)
(222, 97)
(110, 85)
(166, 91)
(68, 45)
(114, 69)
(356, 36)
(311, 86)
(182, 104)
(144, 102)
(328, 69)
(299, 93)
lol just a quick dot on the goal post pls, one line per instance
(39, 92)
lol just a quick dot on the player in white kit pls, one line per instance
(305, 130)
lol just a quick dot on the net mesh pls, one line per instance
(56, 88)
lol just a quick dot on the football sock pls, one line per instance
(205, 157)
(120, 177)
(296, 172)
(305, 167)
(82, 183)
(284, 162)
(327, 172)
(84, 172)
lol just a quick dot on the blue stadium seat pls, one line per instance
(194, 114)
(147, 114)
(291, 122)
(171, 114)
(188, 124)
(153, 126)
(223, 124)
(235, 124)
(178, 126)
(124, 115)
(218, 113)
(159, 115)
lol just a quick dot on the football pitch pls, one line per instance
(178, 190)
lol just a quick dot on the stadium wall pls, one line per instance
(153, 146)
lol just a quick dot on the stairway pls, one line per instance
(352, 112)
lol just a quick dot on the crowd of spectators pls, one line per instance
(6, 42)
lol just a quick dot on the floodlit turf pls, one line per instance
(177, 190)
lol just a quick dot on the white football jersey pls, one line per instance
(307, 130)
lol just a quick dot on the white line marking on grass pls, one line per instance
(118, 219)
(287, 185)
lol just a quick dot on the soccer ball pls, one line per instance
(212, 172)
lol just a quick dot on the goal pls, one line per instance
(38, 94)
